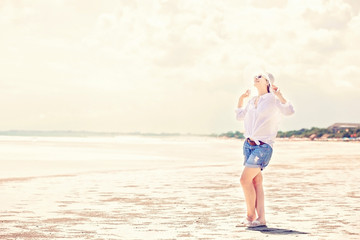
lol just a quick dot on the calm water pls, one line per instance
(39, 156)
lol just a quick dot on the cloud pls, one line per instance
(172, 65)
(334, 14)
(269, 4)
(355, 6)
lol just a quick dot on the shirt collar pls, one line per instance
(266, 95)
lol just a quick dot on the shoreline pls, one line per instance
(319, 139)
(303, 139)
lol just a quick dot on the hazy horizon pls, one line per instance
(174, 66)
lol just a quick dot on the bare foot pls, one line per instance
(258, 223)
(251, 218)
(261, 220)
(246, 222)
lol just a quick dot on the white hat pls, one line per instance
(268, 76)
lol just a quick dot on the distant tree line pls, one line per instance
(231, 134)
(321, 132)
(306, 133)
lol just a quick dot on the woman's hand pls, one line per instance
(275, 90)
(242, 97)
(277, 93)
(246, 94)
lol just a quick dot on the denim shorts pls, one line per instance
(257, 156)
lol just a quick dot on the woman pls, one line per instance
(261, 118)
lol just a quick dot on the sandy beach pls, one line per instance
(173, 188)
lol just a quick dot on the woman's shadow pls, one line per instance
(278, 231)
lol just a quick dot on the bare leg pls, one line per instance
(259, 202)
(246, 181)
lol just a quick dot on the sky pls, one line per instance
(174, 66)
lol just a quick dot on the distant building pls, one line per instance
(341, 126)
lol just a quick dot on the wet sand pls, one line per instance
(173, 188)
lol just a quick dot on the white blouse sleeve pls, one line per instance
(285, 108)
(240, 112)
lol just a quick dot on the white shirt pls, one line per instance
(261, 122)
